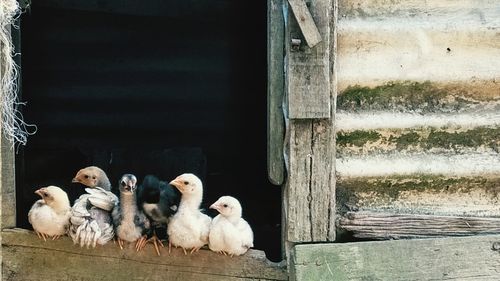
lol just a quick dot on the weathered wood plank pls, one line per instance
(421, 194)
(28, 258)
(464, 258)
(309, 195)
(383, 226)
(7, 174)
(308, 69)
(297, 190)
(310, 190)
(305, 22)
(275, 91)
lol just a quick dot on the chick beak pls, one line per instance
(177, 183)
(215, 206)
(39, 192)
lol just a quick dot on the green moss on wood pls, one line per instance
(406, 140)
(489, 137)
(409, 96)
(391, 187)
(420, 139)
(357, 138)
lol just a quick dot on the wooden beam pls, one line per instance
(28, 258)
(308, 69)
(305, 22)
(400, 226)
(310, 191)
(275, 91)
(309, 194)
(464, 258)
(7, 175)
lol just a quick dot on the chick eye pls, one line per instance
(93, 177)
(186, 182)
(86, 176)
(123, 183)
(225, 205)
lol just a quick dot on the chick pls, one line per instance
(93, 176)
(131, 225)
(90, 222)
(50, 215)
(229, 232)
(159, 202)
(189, 227)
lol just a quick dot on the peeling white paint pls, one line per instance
(441, 49)
(387, 120)
(402, 164)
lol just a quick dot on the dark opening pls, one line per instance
(149, 87)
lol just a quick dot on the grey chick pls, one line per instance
(90, 221)
(131, 225)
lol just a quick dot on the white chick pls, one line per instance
(50, 215)
(229, 232)
(189, 227)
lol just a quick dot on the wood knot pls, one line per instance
(495, 246)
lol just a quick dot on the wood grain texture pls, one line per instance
(7, 177)
(464, 258)
(275, 91)
(310, 191)
(28, 258)
(308, 69)
(382, 226)
(305, 22)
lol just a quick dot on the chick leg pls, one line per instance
(141, 243)
(41, 236)
(120, 243)
(195, 249)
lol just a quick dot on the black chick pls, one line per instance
(159, 201)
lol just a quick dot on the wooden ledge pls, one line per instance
(26, 257)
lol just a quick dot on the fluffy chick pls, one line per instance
(90, 222)
(50, 215)
(229, 232)
(93, 176)
(159, 201)
(189, 227)
(131, 225)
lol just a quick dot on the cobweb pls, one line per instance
(13, 125)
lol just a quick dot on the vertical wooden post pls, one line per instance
(310, 149)
(7, 175)
(275, 91)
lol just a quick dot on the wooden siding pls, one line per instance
(418, 116)
(465, 258)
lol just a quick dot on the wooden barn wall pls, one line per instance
(418, 118)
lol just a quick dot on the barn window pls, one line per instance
(157, 87)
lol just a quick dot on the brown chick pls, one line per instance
(93, 176)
